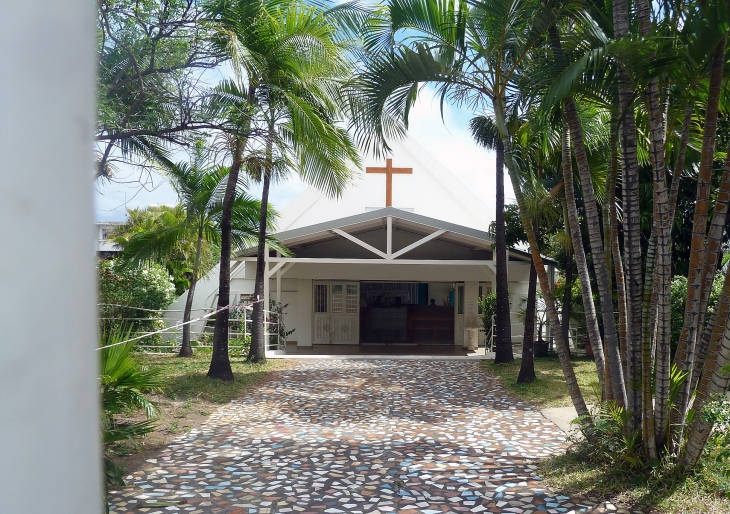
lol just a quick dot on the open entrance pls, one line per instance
(407, 313)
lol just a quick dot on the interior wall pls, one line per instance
(439, 291)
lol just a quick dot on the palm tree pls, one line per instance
(288, 66)
(200, 188)
(485, 132)
(471, 51)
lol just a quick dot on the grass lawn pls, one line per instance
(581, 471)
(658, 491)
(186, 377)
(188, 399)
(549, 390)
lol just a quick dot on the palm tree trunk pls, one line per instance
(690, 328)
(714, 381)
(527, 366)
(710, 336)
(257, 352)
(185, 349)
(552, 314)
(594, 333)
(650, 304)
(610, 333)
(567, 299)
(631, 367)
(662, 230)
(220, 364)
(503, 350)
(632, 226)
(709, 266)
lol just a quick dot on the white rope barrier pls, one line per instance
(248, 306)
(151, 310)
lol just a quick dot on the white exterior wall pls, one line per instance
(303, 321)
(297, 286)
(519, 280)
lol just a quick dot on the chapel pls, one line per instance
(399, 261)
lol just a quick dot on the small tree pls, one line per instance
(488, 306)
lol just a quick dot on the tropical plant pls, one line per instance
(288, 68)
(277, 320)
(132, 295)
(195, 229)
(124, 382)
(488, 309)
(485, 132)
(178, 257)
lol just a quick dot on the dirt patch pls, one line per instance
(174, 418)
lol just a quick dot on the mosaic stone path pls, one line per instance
(360, 436)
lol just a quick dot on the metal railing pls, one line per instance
(574, 335)
(169, 338)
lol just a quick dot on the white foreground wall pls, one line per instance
(50, 459)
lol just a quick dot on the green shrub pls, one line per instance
(678, 298)
(488, 306)
(123, 382)
(716, 459)
(129, 286)
(607, 440)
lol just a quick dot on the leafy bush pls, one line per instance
(488, 306)
(607, 440)
(716, 459)
(123, 382)
(678, 298)
(129, 286)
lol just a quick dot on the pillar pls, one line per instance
(49, 397)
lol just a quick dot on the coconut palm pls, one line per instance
(485, 132)
(200, 186)
(288, 66)
(471, 52)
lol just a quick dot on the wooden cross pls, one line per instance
(389, 170)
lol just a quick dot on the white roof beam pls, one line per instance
(418, 243)
(360, 242)
(330, 260)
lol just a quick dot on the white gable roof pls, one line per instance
(431, 191)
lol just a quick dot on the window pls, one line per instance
(351, 300)
(338, 298)
(106, 233)
(460, 299)
(320, 298)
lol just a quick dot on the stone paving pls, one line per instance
(360, 436)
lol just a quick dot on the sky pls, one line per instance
(448, 141)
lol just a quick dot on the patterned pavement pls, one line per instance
(360, 436)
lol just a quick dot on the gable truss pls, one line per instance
(388, 254)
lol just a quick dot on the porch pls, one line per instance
(385, 351)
